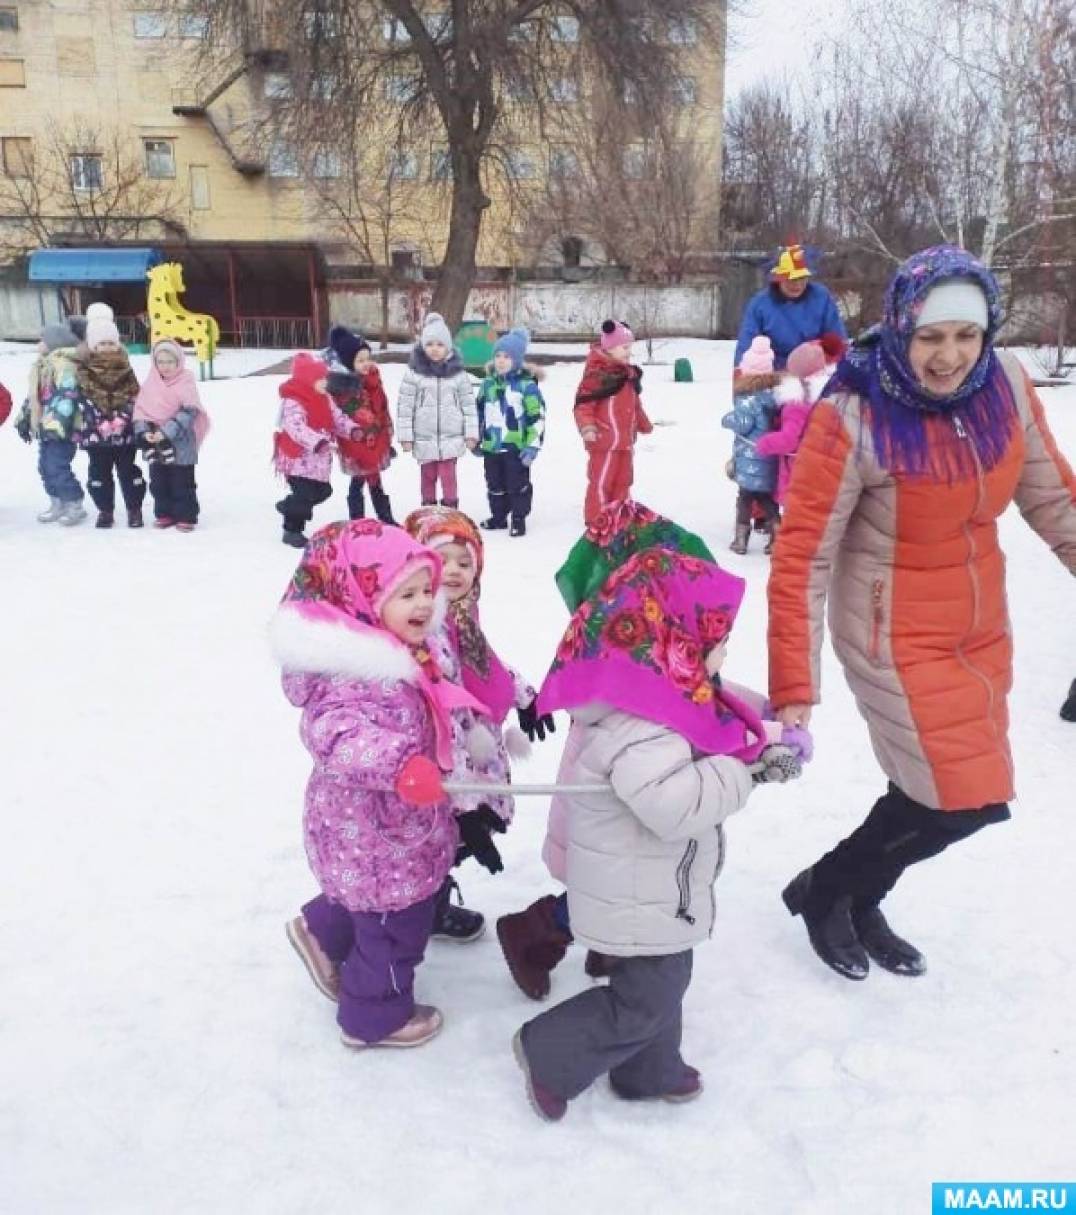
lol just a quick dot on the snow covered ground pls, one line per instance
(161, 1049)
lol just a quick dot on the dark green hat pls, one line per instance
(619, 532)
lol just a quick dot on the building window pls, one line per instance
(199, 187)
(320, 25)
(571, 249)
(9, 20)
(632, 96)
(326, 164)
(404, 165)
(399, 88)
(323, 86)
(277, 86)
(520, 91)
(520, 166)
(86, 171)
(565, 90)
(12, 74)
(150, 25)
(440, 165)
(525, 31)
(394, 31)
(683, 31)
(193, 26)
(635, 161)
(439, 25)
(684, 91)
(160, 158)
(565, 29)
(18, 156)
(282, 159)
(563, 163)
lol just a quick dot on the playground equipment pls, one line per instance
(475, 340)
(168, 317)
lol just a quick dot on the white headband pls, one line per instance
(957, 299)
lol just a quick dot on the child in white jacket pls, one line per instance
(674, 753)
(436, 415)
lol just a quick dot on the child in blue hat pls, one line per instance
(511, 422)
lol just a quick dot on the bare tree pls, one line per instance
(455, 72)
(82, 183)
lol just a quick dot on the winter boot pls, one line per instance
(163, 522)
(425, 1023)
(884, 946)
(451, 503)
(1068, 709)
(687, 1088)
(105, 518)
(533, 943)
(134, 517)
(493, 525)
(294, 538)
(829, 927)
(54, 510)
(546, 1104)
(455, 923)
(319, 966)
(382, 506)
(771, 532)
(739, 542)
(598, 965)
(72, 514)
(518, 528)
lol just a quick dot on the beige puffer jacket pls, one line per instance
(640, 861)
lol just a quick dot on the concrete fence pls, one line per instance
(554, 310)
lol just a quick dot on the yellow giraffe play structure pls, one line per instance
(168, 317)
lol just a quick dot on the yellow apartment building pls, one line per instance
(115, 131)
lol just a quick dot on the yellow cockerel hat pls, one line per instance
(791, 264)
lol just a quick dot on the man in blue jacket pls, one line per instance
(791, 310)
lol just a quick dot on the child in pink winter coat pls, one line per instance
(809, 364)
(351, 638)
(310, 421)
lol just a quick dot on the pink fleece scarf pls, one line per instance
(346, 574)
(159, 400)
(640, 645)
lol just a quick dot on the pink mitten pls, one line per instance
(419, 782)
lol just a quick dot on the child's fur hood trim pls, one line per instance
(757, 383)
(316, 647)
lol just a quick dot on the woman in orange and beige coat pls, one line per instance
(924, 438)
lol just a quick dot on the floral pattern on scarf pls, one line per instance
(640, 645)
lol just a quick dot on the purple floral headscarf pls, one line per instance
(981, 412)
(640, 645)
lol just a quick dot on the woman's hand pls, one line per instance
(794, 715)
(406, 446)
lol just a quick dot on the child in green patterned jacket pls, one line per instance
(511, 421)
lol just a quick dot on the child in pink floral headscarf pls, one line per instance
(351, 636)
(481, 750)
(670, 752)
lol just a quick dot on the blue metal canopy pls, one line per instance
(92, 265)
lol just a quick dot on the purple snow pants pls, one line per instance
(377, 952)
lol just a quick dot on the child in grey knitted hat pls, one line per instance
(436, 417)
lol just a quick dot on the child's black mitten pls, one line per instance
(476, 828)
(531, 723)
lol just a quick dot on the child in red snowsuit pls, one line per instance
(609, 414)
(355, 387)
